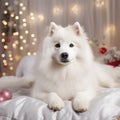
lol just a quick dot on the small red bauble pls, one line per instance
(5, 95)
(103, 50)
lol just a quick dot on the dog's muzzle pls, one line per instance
(64, 57)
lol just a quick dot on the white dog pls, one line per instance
(63, 69)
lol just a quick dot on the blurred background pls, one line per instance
(23, 23)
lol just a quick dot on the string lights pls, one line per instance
(110, 29)
(41, 17)
(100, 3)
(75, 9)
(20, 39)
(9, 11)
(57, 10)
(6, 3)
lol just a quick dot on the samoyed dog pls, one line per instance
(63, 69)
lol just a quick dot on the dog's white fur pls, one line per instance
(75, 77)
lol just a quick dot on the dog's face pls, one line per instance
(65, 51)
(64, 44)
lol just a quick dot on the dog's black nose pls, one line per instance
(64, 55)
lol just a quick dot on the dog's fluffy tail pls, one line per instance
(15, 82)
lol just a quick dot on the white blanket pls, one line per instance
(104, 107)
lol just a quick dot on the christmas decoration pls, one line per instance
(8, 28)
(15, 34)
(8, 23)
(114, 64)
(103, 50)
(111, 57)
(5, 95)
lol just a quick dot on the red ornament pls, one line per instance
(5, 95)
(103, 50)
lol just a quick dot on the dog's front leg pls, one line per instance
(55, 102)
(82, 100)
(52, 99)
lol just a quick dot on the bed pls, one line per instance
(106, 106)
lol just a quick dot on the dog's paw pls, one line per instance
(80, 105)
(56, 104)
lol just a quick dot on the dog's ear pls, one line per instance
(52, 28)
(77, 28)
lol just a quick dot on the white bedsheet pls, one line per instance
(104, 107)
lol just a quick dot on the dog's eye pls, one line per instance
(71, 45)
(57, 45)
